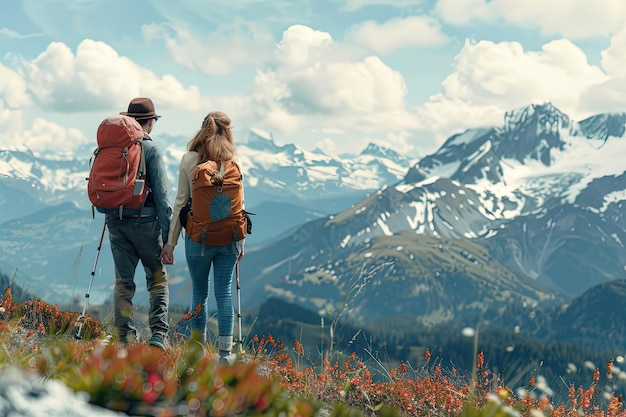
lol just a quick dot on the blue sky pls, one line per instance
(333, 74)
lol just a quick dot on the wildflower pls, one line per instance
(298, 347)
(152, 388)
(608, 368)
(481, 360)
(403, 368)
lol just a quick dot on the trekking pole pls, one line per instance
(81, 319)
(240, 340)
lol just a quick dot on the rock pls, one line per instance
(24, 393)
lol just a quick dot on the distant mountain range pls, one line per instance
(517, 224)
(273, 173)
(529, 213)
(48, 234)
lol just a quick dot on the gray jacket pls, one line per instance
(159, 197)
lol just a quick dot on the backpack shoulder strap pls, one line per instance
(142, 162)
(143, 175)
(236, 163)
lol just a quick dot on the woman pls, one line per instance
(213, 142)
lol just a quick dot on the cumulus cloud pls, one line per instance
(13, 91)
(614, 57)
(353, 5)
(365, 87)
(97, 78)
(570, 18)
(401, 141)
(10, 127)
(447, 116)
(301, 45)
(491, 78)
(13, 100)
(461, 12)
(313, 80)
(609, 95)
(327, 145)
(506, 75)
(397, 33)
(223, 51)
(45, 136)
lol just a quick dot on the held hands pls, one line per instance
(167, 254)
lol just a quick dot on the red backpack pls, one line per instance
(117, 177)
(217, 217)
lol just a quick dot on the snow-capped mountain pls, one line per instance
(541, 195)
(524, 213)
(483, 178)
(287, 172)
(40, 181)
(46, 220)
(272, 173)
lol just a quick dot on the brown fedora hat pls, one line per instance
(141, 108)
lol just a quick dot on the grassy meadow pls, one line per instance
(270, 378)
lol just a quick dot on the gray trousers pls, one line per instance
(133, 240)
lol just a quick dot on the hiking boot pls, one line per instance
(129, 339)
(157, 341)
(227, 359)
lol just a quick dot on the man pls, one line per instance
(140, 237)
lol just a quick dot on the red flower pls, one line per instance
(150, 388)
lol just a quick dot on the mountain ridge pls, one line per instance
(556, 214)
(542, 197)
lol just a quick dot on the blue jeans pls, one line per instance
(200, 258)
(134, 240)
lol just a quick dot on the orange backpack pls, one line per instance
(217, 217)
(117, 175)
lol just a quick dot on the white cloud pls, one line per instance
(491, 78)
(226, 49)
(47, 137)
(397, 33)
(506, 75)
(447, 116)
(314, 79)
(43, 138)
(327, 145)
(97, 78)
(13, 101)
(570, 18)
(11, 34)
(461, 12)
(10, 127)
(13, 93)
(365, 87)
(610, 94)
(400, 141)
(353, 5)
(614, 57)
(301, 45)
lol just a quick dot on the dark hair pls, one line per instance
(143, 122)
